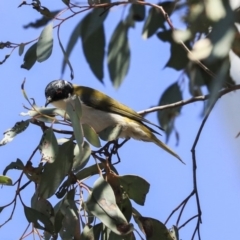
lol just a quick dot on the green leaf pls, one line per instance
(44, 206)
(4, 180)
(102, 204)
(45, 43)
(197, 79)
(92, 22)
(64, 186)
(152, 228)
(236, 42)
(30, 57)
(91, 233)
(14, 165)
(58, 220)
(114, 236)
(91, 135)
(48, 146)
(71, 43)
(176, 51)
(131, 183)
(1, 209)
(167, 117)
(138, 12)
(217, 84)
(81, 157)
(153, 22)
(70, 223)
(66, 2)
(94, 50)
(110, 133)
(126, 208)
(118, 55)
(21, 49)
(73, 110)
(174, 233)
(34, 216)
(156, 20)
(67, 217)
(59, 169)
(12, 132)
(89, 171)
(219, 41)
(42, 21)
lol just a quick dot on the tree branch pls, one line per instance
(190, 100)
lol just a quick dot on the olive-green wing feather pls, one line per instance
(99, 100)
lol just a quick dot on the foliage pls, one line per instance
(204, 60)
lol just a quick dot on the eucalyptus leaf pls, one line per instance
(42, 21)
(30, 57)
(48, 146)
(70, 223)
(218, 43)
(152, 228)
(35, 217)
(59, 168)
(81, 157)
(126, 207)
(94, 50)
(156, 20)
(174, 233)
(71, 43)
(131, 183)
(91, 135)
(66, 2)
(118, 54)
(74, 112)
(217, 84)
(153, 22)
(92, 22)
(45, 43)
(12, 132)
(114, 236)
(138, 12)
(21, 49)
(167, 117)
(91, 233)
(110, 133)
(176, 51)
(4, 180)
(89, 171)
(14, 165)
(1, 209)
(102, 204)
(45, 207)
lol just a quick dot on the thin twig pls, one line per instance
(183, 202)
(194, 161)
(180, 214)
(11, 215)
(190, 100)
(39, 123)
(22, 237)
(189, 220)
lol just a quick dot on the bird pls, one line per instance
(101, 111)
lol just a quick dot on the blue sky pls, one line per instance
(217, 151)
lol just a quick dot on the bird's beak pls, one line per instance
(48, 100)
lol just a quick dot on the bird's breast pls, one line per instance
(99, 120)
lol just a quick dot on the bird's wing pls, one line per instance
(100, 101)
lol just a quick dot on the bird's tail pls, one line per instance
(166, 148)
